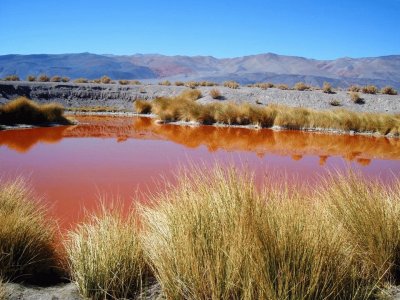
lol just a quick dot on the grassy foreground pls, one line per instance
(25, 111)
(215, 235)
(185, 108)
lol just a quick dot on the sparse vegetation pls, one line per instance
(282, 86)
(96, 109)
(388, 90)
(356, 98)
(335, 102)
(263, 85)
(179, 83)
(191, 94)
(369, 89)
(56, 79)
(105, 80)
(81, 80)
(208, 83)
(11, 78)
(301, 86)
(25, 111)
(43, 78)
(165, 82)
(354, 88)
(192, 84)
(215, 94)
(123, 82)
(142, 106)
(231, 84)
(327, 88)
(135, 82)
(27, 249)
(65, 79)
(105, 256)
(3, 291)
(31, 78)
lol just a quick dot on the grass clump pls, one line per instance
(65, 79)
(135, 82)
(192, 84)
(327, 88)
(123, 82)
(105, 256)
(43, 78)
(11, 78)
(282, 87)
(143, 106)
(263, 85)
(105, 80)
(179, 83)
(25, 111)
(191, 94)
(369, 89)
(356, 98)
(215, 94)
(231, 84)
(388, 90)
(165, 82)
(335, 102)
(81, 80)
(55, 79)
(354, 88)
(27, 236)
(301, 86)
(31, 78)
(215, 236)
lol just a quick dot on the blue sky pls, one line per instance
(316, 29)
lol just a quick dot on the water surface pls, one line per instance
(70, 166)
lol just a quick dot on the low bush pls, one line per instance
(354, 88)
(11, 78)
(215, 94)
(55, 79)
(264, 85)
(369, 89)
(142, 106)
(123, 82)
(301, 86)
(356, 98)
(282, 86)
(105, 80)
(231, 84)
(43, 78)
(136, 82)
(208, 83)
(165, 82)
(327, 88)
(25, 111)
(81, 80)
(65, 79)
(335, 102)
(179, 83)
(31, 78)
(105, 256)
(388, 90)
(191, 94)
(27, 236)
(192, 84)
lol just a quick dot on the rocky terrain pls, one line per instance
(121, 97)
(341, 72)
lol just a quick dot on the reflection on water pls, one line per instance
(72, 165)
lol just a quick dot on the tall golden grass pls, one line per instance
(142, 106)
(24, 111)
(105, 256)
(27, 236)
(231, 84)
(215, 236)
(2, 289)
(183, 108)
(369, 89)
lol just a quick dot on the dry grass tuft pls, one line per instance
(231, 84)
(27, 236)
(43, 78)
(192, 84)
(179, 83)
(105, 256)
(124, 82)
(25, 111)
(56, 79)
(327, 88)
(215, 236)
(263, 85)
(105, 80)
(31, 78)
(282, 87)
(354, 88)
(215, 94)
(369, 89)
(335, 102)
(143, 106)
(136, 82)
(301, 86)
(388, 90)
(65, 79)
(356, 98)
(165, 82)
(3, 292)
(81, 80)
(191, 94)
(11, 78)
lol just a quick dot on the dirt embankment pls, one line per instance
(122, 96)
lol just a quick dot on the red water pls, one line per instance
(72, 166)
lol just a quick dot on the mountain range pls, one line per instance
(383, 70)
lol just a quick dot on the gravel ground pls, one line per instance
(122, 96)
